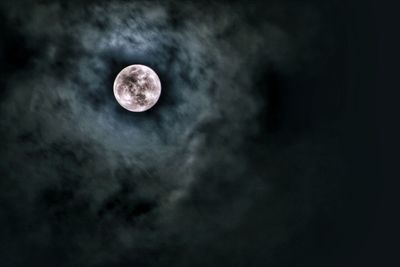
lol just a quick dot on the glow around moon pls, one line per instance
(137, 88)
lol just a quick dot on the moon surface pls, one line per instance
(137, 88)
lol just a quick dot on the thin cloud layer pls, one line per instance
(95, 185)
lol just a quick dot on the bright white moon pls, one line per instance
(137, 88)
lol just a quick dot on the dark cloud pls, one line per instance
(228, 169)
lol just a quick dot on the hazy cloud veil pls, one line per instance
(90, 184)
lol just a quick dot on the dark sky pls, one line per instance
(255, 154)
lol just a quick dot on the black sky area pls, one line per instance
(260, 151)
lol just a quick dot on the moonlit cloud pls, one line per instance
(117, 186)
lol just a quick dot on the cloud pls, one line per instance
(101, 186)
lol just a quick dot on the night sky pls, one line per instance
(250, 157)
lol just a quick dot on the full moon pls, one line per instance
(137, 88)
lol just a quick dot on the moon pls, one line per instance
(137, 88)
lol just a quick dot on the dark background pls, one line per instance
(294, 182)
